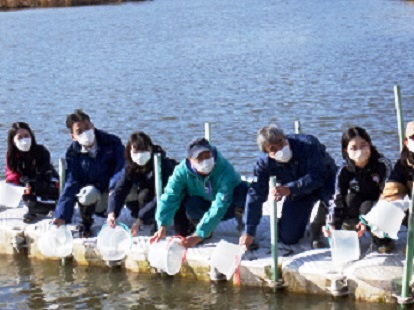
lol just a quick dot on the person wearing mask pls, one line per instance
(136, 185)
(28, 164)
(359, 184)
(207, 188)
(305, 174)
(94, 162)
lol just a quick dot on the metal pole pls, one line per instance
(297, 127)
(408, 266)
(158, 177)
(273, 232)
(400, 120)
(207, 131)
(62, 174)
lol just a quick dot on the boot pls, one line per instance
(86, 213)
(315, 230)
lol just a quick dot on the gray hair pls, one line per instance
(268, 135)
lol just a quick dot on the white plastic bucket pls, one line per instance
(344, 246)
(10, 195)
(167, 255)
(226, 257)
(385, 216)
(114, 243)
(56, 242)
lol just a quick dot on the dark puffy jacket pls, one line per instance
(311, 171)
(368, 182)
(102, 171)
(34, 168)
(142, 180)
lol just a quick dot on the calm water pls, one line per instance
(29, 284)
(168, 66)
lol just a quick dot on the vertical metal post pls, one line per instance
(207, 131)
(408, 266)
(400, 120)
(62, 174)
(297, 127)
(158, 176)
(273, 232)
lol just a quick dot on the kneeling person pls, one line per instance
(206, 188)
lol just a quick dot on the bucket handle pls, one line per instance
(238, 262)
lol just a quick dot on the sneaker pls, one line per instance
(386, 248)
(318, 244)
(29, 217)
(215, 275)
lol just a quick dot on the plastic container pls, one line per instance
(167, 255)
(226, 257)
(56, 242)
(114, 243)
(10, 195)
(385, 216)
(344, 246)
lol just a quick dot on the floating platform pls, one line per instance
(374, 278)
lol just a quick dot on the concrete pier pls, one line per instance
(375, 277)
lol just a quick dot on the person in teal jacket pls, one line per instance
(206, 187)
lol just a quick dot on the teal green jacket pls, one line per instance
(217, 187)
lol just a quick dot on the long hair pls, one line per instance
(406, 157)
(12, 151)
(353, 132)
(141, 142)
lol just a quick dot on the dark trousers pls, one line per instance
(193, 209)
(144, 207)
(49, 193)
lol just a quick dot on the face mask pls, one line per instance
(410, 145)
(86, 138)
(205, 166)
(141, 158)
(23, 144)
(284, 155)
(360, 156)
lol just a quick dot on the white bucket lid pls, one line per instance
(114, 243)
(226, 257)
(56, 242)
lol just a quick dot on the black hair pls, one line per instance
(406, 157)
(75, 117)
(141, 142)
(353, 132)
(12, 150)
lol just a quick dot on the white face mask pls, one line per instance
(410, 145)
(205, 166)
(360, 156)
(284, 155)
(86, 138)
(141, 158)
(23, 144)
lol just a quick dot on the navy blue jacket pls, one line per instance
(102, 171)
(141, 179)
(311, 171)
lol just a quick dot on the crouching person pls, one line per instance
(305, 174)
(136, 185)
(28, 164)
(205, 189)
(94, 161)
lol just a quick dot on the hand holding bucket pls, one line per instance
(56, 242)
(114, 243)
(167, 255)
(226, 257)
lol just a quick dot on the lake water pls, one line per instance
(168, 66)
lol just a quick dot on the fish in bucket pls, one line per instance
(385, 218)
(167, 255)
(114, 243)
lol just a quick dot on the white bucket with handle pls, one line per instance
(114, 243)
(167, 255)
(56, 242)
(226, 257)
(10, 195)
(344, 246)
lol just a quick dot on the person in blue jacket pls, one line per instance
(94, 162)
(207, 188)
(305, 174)
(136, 185)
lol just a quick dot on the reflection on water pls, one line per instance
(48, 285)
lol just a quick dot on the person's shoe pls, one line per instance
(29, 217)
(253, 246)
(350, 224)
(215, 275)
(386, 248)
(318, 244)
